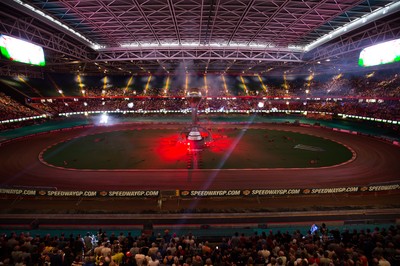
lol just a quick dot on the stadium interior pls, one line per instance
(82, 75)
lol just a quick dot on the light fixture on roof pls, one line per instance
(391, 8)
(95, 46)
(222, 45)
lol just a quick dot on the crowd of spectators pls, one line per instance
(384, 109)
(384, 83)
(388, 109)
(372, 84)
(11, 109)
(325, 247)
(374, 95)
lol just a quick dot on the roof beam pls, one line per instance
(12, 70)
(173, 16)
(244, 14)
(201, 19)
(101, 3)
(25, 29)
(49, 20)
(146, 20)
(267, 21)
(371, 35)
(352, 26)
(277, 55)
(217, 5)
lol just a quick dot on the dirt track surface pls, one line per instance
(376, 162)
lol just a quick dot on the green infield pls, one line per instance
(232, 148)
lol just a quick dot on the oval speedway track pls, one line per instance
(376, 162)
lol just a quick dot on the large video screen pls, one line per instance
(383, 53)
(21, 51)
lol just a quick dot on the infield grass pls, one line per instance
(232, 149)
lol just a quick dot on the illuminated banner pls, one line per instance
(210, 193)
(281, 192)
(81, 193)
(199, 193)
(10, 191)
(21, 51)
(233, 192)
(331, 190)
(383, 53)
(140, 193)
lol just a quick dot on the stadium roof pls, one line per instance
(223, 36)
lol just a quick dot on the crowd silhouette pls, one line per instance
(324, 247)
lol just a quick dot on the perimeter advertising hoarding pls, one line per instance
(199, 193)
